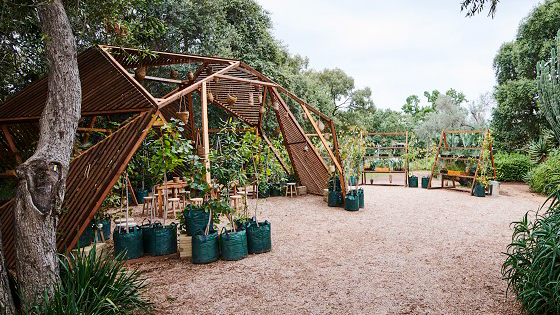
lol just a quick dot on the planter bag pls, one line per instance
(258, 237)
(129, 243)
(233, 245)
(275, 192)
(195, 220)
(86, 238)
(158, 239)
(335, 199)
(361, 197)
(334, 184)
(479, 190)
(264, 193)
(352, 203)
(425, 182)
(205, 249)
(413, 181)
(140, 194)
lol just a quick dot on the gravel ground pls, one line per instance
(410, 251)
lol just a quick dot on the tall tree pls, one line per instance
(339, 85)
(42, 178)
(517, 120)
(474, 7)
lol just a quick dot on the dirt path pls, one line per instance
(410, 251)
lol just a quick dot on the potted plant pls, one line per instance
(335, 190)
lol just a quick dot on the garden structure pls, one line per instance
(388, 155)
(464, 156)
(117, 81)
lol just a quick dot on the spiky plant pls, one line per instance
(538, 150)
(548, 87)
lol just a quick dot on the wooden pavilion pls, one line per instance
(110, 87)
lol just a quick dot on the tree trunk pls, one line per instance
(6, 301)
(42, 178)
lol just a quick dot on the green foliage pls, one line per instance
(517, 120)
(511, 167)
(538, 150)
(514, 122)
(93, 284)
(352, 150)
(540, 177)
(474, 7)
(532, 267)
(548, 88)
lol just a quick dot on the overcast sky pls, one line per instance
(399, 47)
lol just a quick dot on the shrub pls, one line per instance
(532, 267)
(544, 174)
(93, 284)
(511, 167)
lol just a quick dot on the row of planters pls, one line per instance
(245, 237)
(479, 188)
(354, 200)
(152, 239)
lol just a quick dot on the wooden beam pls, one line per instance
(205, 136)
(87, 129)
(248, 81)
(8, 173)
(276, 153)
(163, 80)
(172, 98)
(91, 124)
(11, 144)
(325, 144)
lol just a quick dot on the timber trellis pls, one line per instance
(109, 87)
(444, 144)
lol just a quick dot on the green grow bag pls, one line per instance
(335, 199)
(479, 190)
(425, 182)
(275, 192)
(352, 203)
(140, 194)
(353, 180)
(413, 181)
(264, 192)
(334, 184)
(205, 249)
(195, 219)
(361, 197)
(233, 245)
(86, 238)
(258, 237)
(158, 239)
(130, 243)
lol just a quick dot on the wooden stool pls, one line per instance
(148, 204)
(291, 188)
(184, 195)
(196, 201)
(175, 207)
(243, 195)
(235, 199)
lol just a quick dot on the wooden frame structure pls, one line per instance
(443, 144)
(405, 171)
(110, 87)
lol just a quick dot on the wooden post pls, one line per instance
(205, 136)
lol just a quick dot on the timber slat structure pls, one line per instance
(109, 87)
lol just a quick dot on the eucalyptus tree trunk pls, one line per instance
(6, 301)
(42, 178)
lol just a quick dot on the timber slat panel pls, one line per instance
(104, 89)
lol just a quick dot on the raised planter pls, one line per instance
(425, 181)
(195, 219)
(382, 169)
(301, 190)
(258, 237)
(352, 202)
(158, 239)
(205, 248)
(335, 199)
(479, 190)
(233, 245)
(129, 243)
(413, 181)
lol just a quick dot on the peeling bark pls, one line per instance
(42, 178)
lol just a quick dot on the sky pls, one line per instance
(399, 47)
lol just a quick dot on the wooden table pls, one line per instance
(170, 185)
